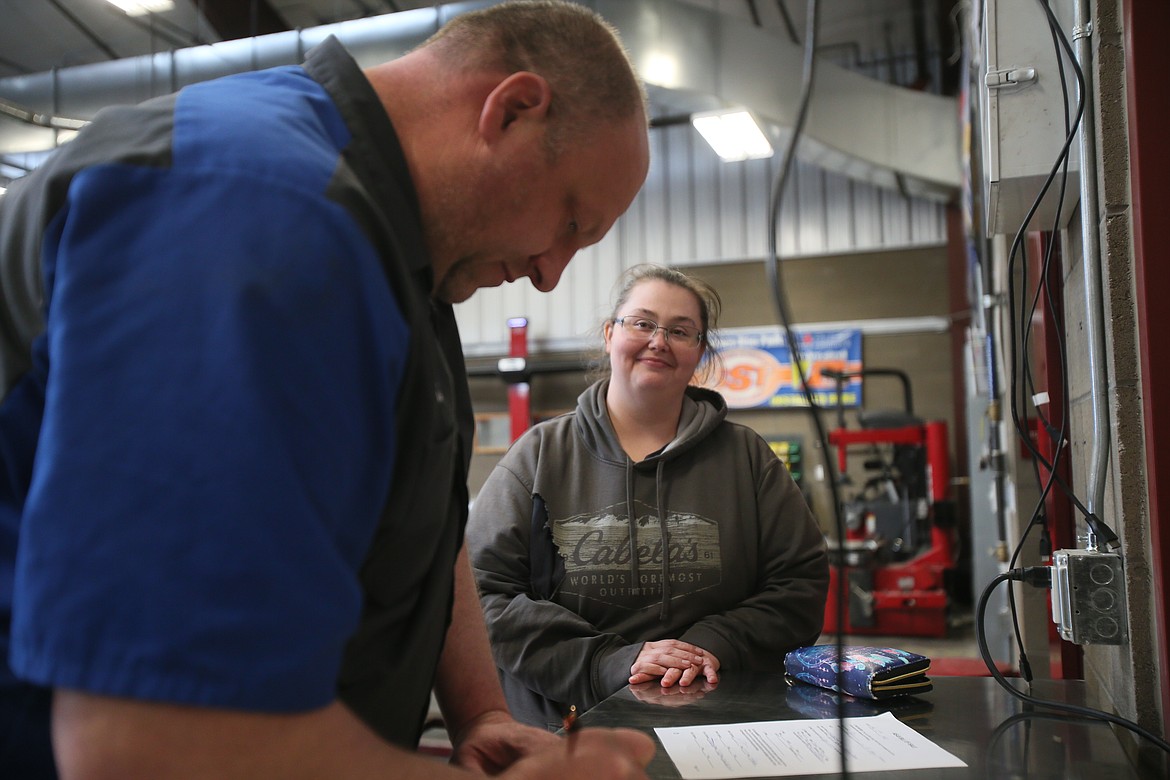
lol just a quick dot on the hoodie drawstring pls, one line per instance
(664, 612)
(630, 513)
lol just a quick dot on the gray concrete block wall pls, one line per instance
(1122, 675)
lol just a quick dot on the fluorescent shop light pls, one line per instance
(733, 134)
(140, 7)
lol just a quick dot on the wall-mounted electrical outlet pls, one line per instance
(1088, 597)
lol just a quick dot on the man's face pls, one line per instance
(527, 215)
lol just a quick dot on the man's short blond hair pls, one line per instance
(572, 47)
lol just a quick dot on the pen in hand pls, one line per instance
(570, 725)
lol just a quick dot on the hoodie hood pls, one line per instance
(702, 411)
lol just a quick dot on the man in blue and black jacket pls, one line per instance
(234, 420)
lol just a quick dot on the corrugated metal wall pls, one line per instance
(696, 209)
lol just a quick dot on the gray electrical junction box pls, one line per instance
(1088, 597)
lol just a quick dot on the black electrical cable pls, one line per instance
(1060, 164)
(1042, 285)
(1028, 390)
(1056, 306)
(808, 73)
(1040, 576)
(1027, 317)
(1099, 527)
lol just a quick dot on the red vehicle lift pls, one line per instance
(899, 538)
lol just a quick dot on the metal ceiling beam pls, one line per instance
(155, 25)
(7, 63)
(84, 29)
(233, 19)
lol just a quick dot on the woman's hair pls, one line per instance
(710, 366)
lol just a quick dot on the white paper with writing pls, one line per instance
(781, 748)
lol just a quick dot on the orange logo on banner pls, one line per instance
(752, 377)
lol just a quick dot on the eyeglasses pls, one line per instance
(642, 328)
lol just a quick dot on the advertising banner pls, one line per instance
(758, 370)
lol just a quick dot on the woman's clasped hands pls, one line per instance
(672, 661)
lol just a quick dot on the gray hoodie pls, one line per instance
(728, 555)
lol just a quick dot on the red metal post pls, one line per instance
(519, 404)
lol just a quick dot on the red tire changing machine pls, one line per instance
(899, 527)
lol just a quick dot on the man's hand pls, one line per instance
(494, 741)
(671, 661)
(104, 738)
(589, 754)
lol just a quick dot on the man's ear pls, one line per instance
(521, 96)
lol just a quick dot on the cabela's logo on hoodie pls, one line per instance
(601, 564)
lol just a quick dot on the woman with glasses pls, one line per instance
(643, 536)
